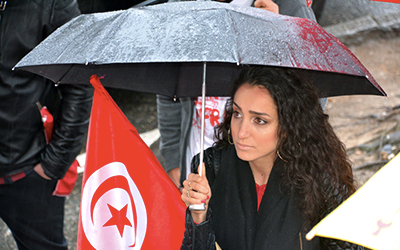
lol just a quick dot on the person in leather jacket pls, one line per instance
(277, 169)
(29, 167)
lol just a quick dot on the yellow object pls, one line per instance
(371, 216)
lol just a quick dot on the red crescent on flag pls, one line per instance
(118, 181)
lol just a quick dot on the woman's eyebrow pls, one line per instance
(252, 112)
(237, 106)
(259, 113)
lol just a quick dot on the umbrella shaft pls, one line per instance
(203, 107)
(201, 207)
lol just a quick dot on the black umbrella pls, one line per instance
(174, 49)
(161, 49)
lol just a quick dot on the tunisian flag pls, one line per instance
(128, 200)
(389, 1)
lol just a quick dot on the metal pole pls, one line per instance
(201, 207)
(203, 115)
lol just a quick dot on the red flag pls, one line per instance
(128, 201)
(389, 1)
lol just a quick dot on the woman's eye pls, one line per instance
(260, 121)
(236, 114)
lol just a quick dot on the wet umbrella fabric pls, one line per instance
(161, 49)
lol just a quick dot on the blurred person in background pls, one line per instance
(30, 162)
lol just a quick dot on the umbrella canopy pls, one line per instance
(371, 216)
(161, 49)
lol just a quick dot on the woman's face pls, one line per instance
(254, 125)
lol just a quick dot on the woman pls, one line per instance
(276, 170)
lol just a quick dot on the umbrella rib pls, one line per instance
(66, 72)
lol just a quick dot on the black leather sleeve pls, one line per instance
(198, 237)
(69, 129)
(72, 117)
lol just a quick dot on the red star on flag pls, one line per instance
(118, 218)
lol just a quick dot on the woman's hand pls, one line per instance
(196, 190)
(267, 5)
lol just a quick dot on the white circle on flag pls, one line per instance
(112, 210)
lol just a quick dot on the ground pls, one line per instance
(366, 123)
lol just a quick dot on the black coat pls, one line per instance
(233, 219)
(23, 25)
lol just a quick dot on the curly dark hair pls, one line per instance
(315, 160)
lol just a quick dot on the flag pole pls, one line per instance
(201, 207)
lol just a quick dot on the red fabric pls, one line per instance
(18, 176)
(65, 185)
(128, 200)
(48, 123)
(389, 1)
(260, 193)
(12, 178)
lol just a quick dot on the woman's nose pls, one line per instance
(243, 130)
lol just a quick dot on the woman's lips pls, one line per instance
(243, 146)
